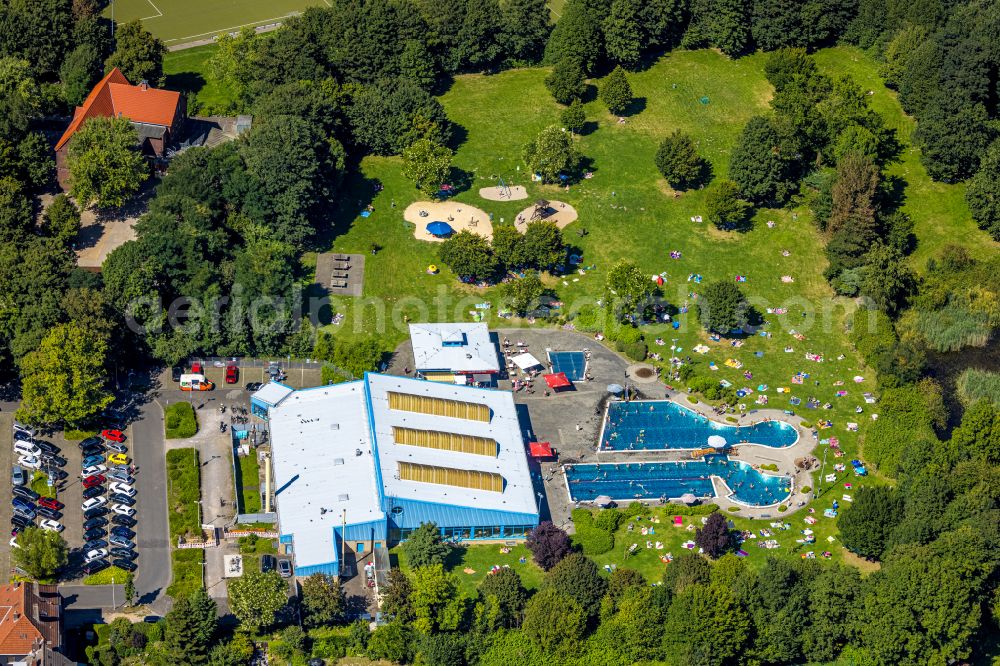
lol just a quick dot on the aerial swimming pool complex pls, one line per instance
(625, 482)
(643, 425)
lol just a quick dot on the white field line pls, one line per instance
(159, 13)
(231, 29)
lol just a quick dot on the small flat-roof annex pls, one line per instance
(457, 347)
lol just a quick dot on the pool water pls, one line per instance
(661, 424)
(625, 482)
(574, 364)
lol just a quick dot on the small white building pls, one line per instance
(461, 353)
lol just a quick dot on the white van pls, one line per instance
(26, 449)
(26, 429)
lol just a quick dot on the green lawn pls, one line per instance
(111, 575)
(187, 572)
(179, 421)
(183, 492)
(40, 484)
(187, 71)
(479, 559)
(181, 21)
(248, 479)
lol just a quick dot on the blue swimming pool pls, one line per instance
(574, 364)
(625, 482)
(661, 424)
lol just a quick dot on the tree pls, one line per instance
(20, 98)
(105, 164)
(623, 34)
(130, 592)
(61, 220)
(543, 245)
(722, 307)
(256, 598)
(77, 73)
(888, 279)
(469, 255)
(726, 209)
(396, 596)
(525, 28)
(865, 525)
(508, 246)
(731, 26)
(679, 162)
(236, 652)
(392, 642)
(390, 115)
(576, 36)
(552, 154)
(548, 544)
(40, 553)
(566, 81)
(615, 91)
(424, 546)
(323, 600)
(15, 209)
(714, 538)
(951, 136)
(574, 118)
(505, 598)
(983, 192)
(776, 23)
(854, 192)
(577, 577)
(478, 44)
(190, 627)
(437, 606)
(554, 621)
(138, 54)
(705, 626)
(63, 381)
(757, 165)
(521, 294)
(688, 569)
(628, 288)
(427, 164)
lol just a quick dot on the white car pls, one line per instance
(51, 525)
(96, 554)
(93, 470)
(123, 488)
(30, 462)
(27, 449)
(93, 503)
(123, 510)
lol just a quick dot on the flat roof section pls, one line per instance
(454, 347)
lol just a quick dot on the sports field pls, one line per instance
(181, 21)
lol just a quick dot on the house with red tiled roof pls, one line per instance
(30, 624)
(156, 114)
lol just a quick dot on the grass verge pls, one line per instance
(180, 421)
(187, 567)
(183, 491)
(111, 575)
(40, 484)
(248, 479)
(78, 435)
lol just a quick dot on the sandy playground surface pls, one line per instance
(560, 213)
(459, 215)
(517, 192)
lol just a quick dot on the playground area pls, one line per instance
(561, 213)
(504, 192)
(454, 215)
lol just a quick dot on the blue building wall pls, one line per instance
(457, 522)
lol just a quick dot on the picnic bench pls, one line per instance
(338, 284)
(341, 257)
(340, 275)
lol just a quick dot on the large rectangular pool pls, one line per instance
(625, 482)
(573, 363)
(661, 424)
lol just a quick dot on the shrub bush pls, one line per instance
(635, 509)
(685, 510)
(180, 420)
(807, 489)
(636, 351)
(609, 520)
(733, 509)
(782, 508)
(590, 538)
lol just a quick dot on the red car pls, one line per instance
(232, 374)
(113, 435)
(53, 504)
(196, 368)
(92, 481)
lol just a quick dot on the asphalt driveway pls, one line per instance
(149, 453)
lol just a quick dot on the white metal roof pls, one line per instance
(456, 347)
(525, 361)
(316, 435)
(272, 393)
(511, 463)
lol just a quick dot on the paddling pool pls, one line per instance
(626, 482)
(661, 424)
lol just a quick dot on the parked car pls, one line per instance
(23, 503)
(92, 451)
(90, 461)
(127, 565)
(96, 512)
(253, 387)
(176, 372)
(122, 542)
(121, 531)
(93, 567)
(285, 568)
(27, 449)
(93, 503)
(21, 522)
(21, 436)
(95, 533)
(94, 523)
(118, 459)
(124, 553)
(50, 503)
(17, 476)
(122, 488)
(51, 525)
(27, 514)
(125, 521)
(96, 480)
(121, 475)
(123, 510)
(48, 513)
(25, 492)
(232, 373)
(267, 563)
(118, 447)
(93, 491)
(197, 368)
(50, 459)
(113, 435)
(26, 429)
(95, 554)
(57, 474)
(119, 498)
(90, 441)
(47, 447)
(95, 543)
(94, 469)
(30, 462)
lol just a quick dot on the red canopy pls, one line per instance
(557, 380)
(541, 450)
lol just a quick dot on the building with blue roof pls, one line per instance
(358, 466)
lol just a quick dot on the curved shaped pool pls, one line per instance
(625, 482)
(642, 425)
